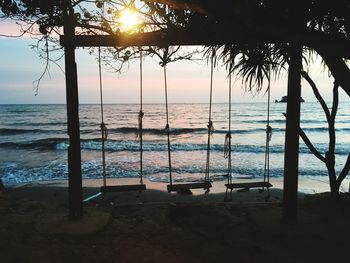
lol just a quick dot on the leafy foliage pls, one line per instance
(254, 61)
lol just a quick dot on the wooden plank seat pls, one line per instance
(116, 188)
(248, 185)
(187, 186)
(123, 188)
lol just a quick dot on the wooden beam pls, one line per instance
(291, 157)
(74, 151)
(161, 38)
(314, 40)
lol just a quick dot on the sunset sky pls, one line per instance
(187, 81)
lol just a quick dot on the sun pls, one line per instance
(128, 20)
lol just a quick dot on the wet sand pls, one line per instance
(154, 226)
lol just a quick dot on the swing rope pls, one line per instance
(194, 185)
(247, 185)
(167, 127)
(140, 118)
(268, 139)
(228, 137)
(210, 122)
(103, 127)
(104, 134)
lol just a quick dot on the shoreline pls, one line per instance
(156, 191)
(306, 184)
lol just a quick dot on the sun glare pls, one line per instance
(128, 19)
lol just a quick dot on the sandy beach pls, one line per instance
(154, 226)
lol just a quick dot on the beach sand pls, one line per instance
(154, 226)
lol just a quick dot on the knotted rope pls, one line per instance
(104, 131)
(227, 145)
(228, 137)
(268, 138)
(268, 132)
(140, 119)
(167, 126)
(210, 125)
(103, 127)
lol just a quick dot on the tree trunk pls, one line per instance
(72, 97)
(334, 186)
(291, 157)
(334, 191)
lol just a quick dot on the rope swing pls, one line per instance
(185, 187)
(140, 118)
(167, 126)
(104, 134)
(103, 127)
(132, 187)
(268, 139)
(228, 149)
(210, 125)
(228, 136)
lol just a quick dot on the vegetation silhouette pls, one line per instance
(329, 156)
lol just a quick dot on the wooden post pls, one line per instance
(74, 151)
(291, 157)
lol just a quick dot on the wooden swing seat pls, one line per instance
(199, 185)
(248, 185)
(123, 188)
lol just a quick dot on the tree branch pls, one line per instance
(36, 83)
(338, 68)
(317, 94)
(335, 101)
(309, 144)
(331, 128)
(96, 27)
(344, 172)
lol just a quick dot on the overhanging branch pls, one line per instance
(317, 94)
(309, 144)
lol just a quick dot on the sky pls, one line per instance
(188, 81)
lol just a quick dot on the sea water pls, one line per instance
(34, 141)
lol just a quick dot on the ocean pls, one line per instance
(34, 141)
